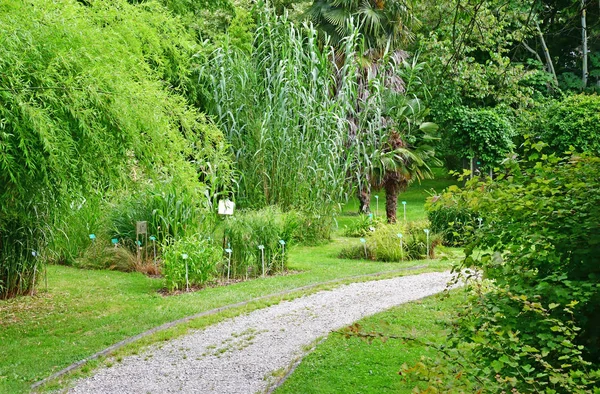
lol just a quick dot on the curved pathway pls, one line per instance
(240, 355)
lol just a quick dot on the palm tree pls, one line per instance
(388, 159)
(380, 22)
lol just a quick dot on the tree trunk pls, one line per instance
(549, 64)
(393, 184)
(364, 201)
(391, 202)
(584, 45)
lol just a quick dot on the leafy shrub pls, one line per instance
(365, 224)
(171, 212)
(203, 258)
(536, 327)
(575, 121)
(249, 229)
(384, 245)
(451, 217)
(71, 230)
(308, 228)
(483, 133)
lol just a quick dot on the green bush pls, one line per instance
(483, 133)
(535, 327)
(202, 257)
(451, 217)
(361, 227)
(384, 244)
(247, 230)
(171, 211)
(575, 122)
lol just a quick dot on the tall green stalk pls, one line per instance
(285, 115)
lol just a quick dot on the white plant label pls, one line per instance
(226, 207)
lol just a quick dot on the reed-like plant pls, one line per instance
(190, 261)
(285, 115)
(247, 230)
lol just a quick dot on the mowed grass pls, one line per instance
(352, 365)
(415, 198)
(84, 311)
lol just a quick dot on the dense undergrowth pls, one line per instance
(532, 324)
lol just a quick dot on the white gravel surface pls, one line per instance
(239, 355)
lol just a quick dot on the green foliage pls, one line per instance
(482, 133)
(380, 23)
(468, 48)
(535, 328)
(247, 230)
(72, 228)
(171, 213)
(365, 224)
(199, 255)
(383, 244)
(572, 122)
(452, 217)
(85, 109)
(286, 129)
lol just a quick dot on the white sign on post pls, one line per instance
(226, 207)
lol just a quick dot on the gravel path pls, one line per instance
(239, 355)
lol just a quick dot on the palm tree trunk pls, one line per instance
(391, 201)
(393, 185)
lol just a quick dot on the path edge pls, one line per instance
(166, 326)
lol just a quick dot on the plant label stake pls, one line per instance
(34, 254)
(228, 250)
(370, 217)
(427, 232)
(404, 204)
(364, 242)
(141, 231)
(282, 243)
(262, 257)
(187, 281)
(115, 242)
(401, 247)
(480, 220)
(153, 239)
(377, 205)
(93, 237)
(225, 209)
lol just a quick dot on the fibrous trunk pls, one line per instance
(393, 184)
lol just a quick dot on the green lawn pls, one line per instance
(415, 198)
(352, 365)
(86, 311)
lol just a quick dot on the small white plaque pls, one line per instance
(226, 207)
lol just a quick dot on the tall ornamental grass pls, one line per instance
(284, 108)
(245, 232)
